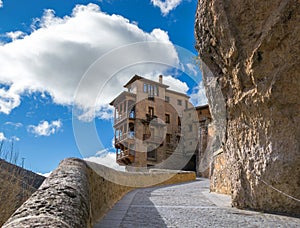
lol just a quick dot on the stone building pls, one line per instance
(195, 139)
(157, 127)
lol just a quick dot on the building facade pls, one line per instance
(196, 138)
(153, 125)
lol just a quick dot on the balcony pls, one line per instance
(124, 116)
(125, 157)
(126, 136)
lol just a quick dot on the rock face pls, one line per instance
(252, 48)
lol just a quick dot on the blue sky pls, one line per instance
(49, 53)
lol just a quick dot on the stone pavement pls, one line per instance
(186, 205)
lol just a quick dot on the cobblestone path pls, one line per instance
(186, 205)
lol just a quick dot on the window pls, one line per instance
(151, 153)
(179, 121)
(145, 88)
(179, 102)
(186, 104)
(152, 90)
(167, 99)
(190, 128)
(191, 143)
(168, 138)
(117, 134)
(151, 111)
(149, 89)
(156, 90)
(167, 118)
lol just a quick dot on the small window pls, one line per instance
(151, 111)
(179, 121)
(156, 90)
(150, 89)
(167, 99)
(191, 143)
(186, 104)
(179, 102)
(168, 138)
(151, 153)
(145, 88)
(167, 118)
(190, 128)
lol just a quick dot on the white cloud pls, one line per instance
(44, 128)
(9, 99)
(45, 174)
(198, 97)
(16, 125)
(174, 83)
(15, 35)
(106, 158)
(192, 68)
(166, 6)
(2, 136)
(1, 4)
(56, 55)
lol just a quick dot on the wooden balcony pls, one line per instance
(125, 157)
(123, 138)
(126, 115)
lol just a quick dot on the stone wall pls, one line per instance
(17, 185)
(251, 52)
(79, 193)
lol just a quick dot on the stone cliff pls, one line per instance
(252, 50)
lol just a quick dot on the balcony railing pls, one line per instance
(125, 156)
(121, 117)
(127, 135)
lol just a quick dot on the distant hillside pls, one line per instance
(17, 184)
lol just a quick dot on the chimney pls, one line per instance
(160, 79)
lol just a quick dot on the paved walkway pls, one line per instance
(186, 205)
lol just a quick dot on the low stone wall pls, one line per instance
(17, 185)
(79, 193)
(219, 180)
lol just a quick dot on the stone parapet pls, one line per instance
(79, 193)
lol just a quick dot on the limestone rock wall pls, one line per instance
(79, 193)
(252, 48)
(219, 174)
